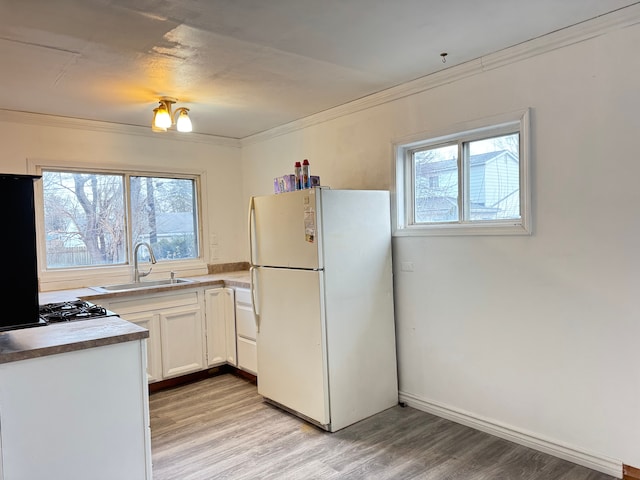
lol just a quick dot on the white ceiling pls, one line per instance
(244, 66)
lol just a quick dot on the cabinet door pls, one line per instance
(1, 457)
(245, 320)
(150, 321)
(219, 306)
(247, 355)
(230, 326)
(246, 332)
(181, 341)
(173, 347)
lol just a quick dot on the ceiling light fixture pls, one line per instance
(164, 118)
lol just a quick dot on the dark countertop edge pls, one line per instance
(36, 342)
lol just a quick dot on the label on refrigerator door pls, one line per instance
(309, 222)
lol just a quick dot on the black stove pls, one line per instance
(72, 311)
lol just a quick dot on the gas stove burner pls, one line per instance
(72, 310)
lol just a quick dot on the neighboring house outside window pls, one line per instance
(470, 182)
(494, 181)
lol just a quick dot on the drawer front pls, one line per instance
(245, 321)
(247, 355)
(243, 296)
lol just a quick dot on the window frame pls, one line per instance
(68, 277)
(403, 171)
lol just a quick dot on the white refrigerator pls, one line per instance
(322, 287)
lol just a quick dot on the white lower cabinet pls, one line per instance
(150, 321)
(246, 332)
(193, 330)
(1, 456)
(176, 331)
(221, 326)
(76, 416)
(181, 331)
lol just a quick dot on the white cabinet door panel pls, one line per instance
(151, 322)
(246, 332)
(247, 355)
(216, 326)
(221, 331)
(181, 331)
(230, 323)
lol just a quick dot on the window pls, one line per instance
(469, 182)
(94, 219)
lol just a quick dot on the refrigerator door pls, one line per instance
(283, 230)
(291, 341)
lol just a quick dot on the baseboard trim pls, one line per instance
(521, 437)
(201, 375)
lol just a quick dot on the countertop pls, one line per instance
(228, 279)
(65, 337)
(23, 344)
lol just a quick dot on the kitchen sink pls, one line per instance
(120, 287)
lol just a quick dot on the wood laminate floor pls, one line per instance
(220, 428)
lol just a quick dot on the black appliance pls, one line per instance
(72, 311)
(19, 289)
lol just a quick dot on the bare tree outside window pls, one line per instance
(85, 218)
(163, 213)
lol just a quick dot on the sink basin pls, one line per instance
(140, 285)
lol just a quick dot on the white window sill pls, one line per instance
(462, 229)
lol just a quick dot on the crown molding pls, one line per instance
(580, 32)
(29, 118)
(565, 37)
(586, 30)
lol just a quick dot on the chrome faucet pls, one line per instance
(137, 275)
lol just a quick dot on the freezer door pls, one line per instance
(284, 228)
(291, 341)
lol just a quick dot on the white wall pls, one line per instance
(28, 137)
(535, 337)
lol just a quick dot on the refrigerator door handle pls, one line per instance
(250, 230)
(256, 315)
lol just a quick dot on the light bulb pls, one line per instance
(162, 118)
(183, 124)
(154, 127)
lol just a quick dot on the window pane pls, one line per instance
(163, 213)
(494, 178)
(436, 185)
(84, 219)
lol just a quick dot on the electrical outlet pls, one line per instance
(406, 266)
